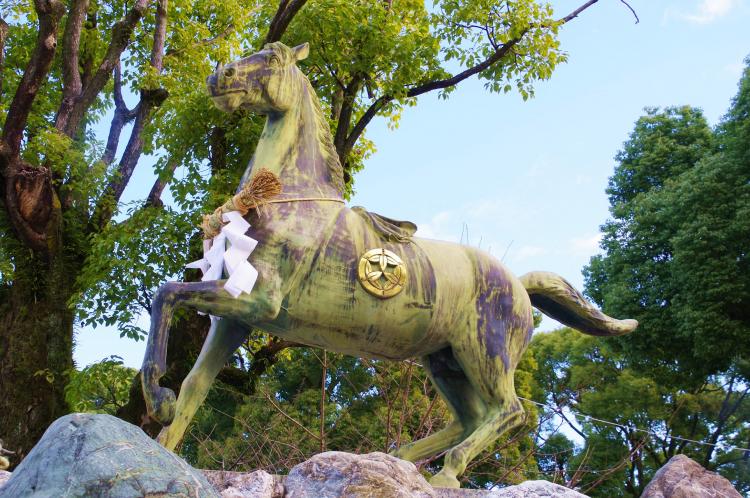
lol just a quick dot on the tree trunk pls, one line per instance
(36, 350)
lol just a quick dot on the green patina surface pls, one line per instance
(461, 312)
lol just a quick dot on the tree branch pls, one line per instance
(87, 58)
(70, 60)
(275, 20)
(121, 33)
(27, 192)
(154, 196)
(234, 377)
(496, 56)
(631, 10)
(265, 358)
(289, 417)
(160, 35)
(117, 94)
(576, 12)
(346, 108)
(49, 13)
(284, 15)
(727, 410)
(150, 100)
(217, 149)
(121, 117)
(382, 101)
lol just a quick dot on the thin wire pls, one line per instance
(589, 417)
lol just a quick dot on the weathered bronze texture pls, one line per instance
(460, 311)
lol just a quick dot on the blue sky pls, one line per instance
(526, 180)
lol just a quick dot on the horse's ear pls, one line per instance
(301, 51)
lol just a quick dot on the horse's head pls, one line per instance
(263, 82)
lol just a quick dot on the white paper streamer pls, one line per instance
(229, 250)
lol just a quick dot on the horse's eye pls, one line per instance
(273, 60)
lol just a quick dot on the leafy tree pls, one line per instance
(646, 421)
(676, 259)
(554, 457)
(72, 252)
(635, 276)
(676, 248)
(101, 387)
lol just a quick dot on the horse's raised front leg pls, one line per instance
(261, 305)
(223, 340)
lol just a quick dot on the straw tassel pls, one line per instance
(262, 187)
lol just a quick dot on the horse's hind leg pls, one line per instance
(495, 385)
(464, 403)
(496, 422)
(224, 337)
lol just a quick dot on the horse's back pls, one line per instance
(330, 303)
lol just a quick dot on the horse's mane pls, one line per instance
(324, 130)
(326, 139)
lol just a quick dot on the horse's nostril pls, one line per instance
(229, 72)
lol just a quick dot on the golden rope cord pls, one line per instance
(257, 192)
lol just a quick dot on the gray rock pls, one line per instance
(87, 455)
(682, 477)
(334, 474)
(259, 484)
(4, 476)
(102, 456)
(536, 489)
(375, 475)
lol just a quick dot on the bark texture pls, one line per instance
(36, 351)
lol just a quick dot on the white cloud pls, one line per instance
(588, 245)
(582, 179)
(709, 11)
(526, 252)
(442, 226)
(492, 209)
(735, 69)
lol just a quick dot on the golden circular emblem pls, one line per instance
(382, 273)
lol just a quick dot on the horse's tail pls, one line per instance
(554, 296)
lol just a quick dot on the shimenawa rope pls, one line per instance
(257, 192)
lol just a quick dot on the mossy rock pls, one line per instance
(88, 455)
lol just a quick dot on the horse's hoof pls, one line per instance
(164, 440)
(402, 453)
(443, 480)
(164, 405)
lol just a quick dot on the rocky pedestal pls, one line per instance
(682, 477)
(4, 476)
(84, 455)
(334, 474)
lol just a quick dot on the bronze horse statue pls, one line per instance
(324, 280)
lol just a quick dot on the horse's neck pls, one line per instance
(289, 147)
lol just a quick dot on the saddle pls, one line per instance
(389, 229)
